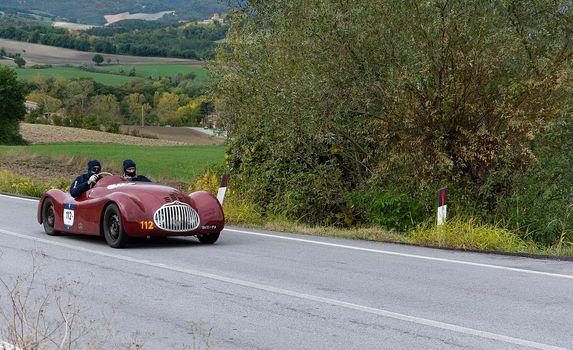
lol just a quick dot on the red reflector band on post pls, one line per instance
(224, 180)
(441, 197)
(442, 207)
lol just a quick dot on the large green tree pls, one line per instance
(98, 59)
(322, 98)
(76, 101)
(12, 108)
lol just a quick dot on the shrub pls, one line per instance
(11, 183)
(540, 206)
(91, 122)
(35, 117)
(389, 208)
(57, 120)
(113, 127)
(41, 66)
(208, 181)
(318, 107)
(12, 109)
(238, 208)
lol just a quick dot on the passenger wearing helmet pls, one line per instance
(86, 181)
(129, 172)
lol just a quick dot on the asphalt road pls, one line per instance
(264, 290)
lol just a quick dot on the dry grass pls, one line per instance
(43, 54)
(36, 314)
(46, 134)
(467, 234)
(367, 233)
(41, 320)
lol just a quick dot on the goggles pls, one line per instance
(96, 169)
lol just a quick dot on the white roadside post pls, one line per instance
(222, 188)
(442, 207)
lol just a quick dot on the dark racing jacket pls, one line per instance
(80, 185)
(137, 178)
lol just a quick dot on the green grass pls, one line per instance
(73, 73)
(178, 163)
(160, 70)
(107, 75)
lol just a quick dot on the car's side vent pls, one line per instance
(176, 217)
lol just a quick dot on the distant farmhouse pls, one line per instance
(45, 118)
(217, 18)
(31, 106)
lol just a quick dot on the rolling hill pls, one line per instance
(93, 11)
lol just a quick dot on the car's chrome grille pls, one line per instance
(176, 217)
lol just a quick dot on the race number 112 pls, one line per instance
(146, 225)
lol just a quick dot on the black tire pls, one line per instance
(209, 239)
(113, 231)
(49, 217)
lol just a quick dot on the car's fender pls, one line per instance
(58, 197)
(209, 210)
(132, 210)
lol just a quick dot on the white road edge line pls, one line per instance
(329, 301)
(386, 252)
(379, 251)
(19, 198)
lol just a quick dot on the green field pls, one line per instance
(108, 75)
(159, 70)
(73, 73)
(174, 163)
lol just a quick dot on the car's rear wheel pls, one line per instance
(49, 217)
(209, 239)
(113, 231)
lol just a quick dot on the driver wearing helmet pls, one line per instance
(86, 181)
(129, 172)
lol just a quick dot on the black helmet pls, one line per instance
(128, 163)
(94, 166)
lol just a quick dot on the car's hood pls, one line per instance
(147, 193)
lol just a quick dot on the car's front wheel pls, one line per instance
(49, 217)
(113, 231)
(209, 239)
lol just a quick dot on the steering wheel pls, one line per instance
(101, 174)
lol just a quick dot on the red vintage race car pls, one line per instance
(118, 209)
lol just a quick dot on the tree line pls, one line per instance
(355, 113)
(189, 41)
(84, 103)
